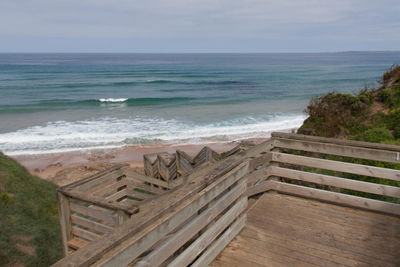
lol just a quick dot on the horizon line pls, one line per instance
(272, 52)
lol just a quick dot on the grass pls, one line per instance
(29, 229)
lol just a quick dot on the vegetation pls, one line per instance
(29, 229)
(371, 115)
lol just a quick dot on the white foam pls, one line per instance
(113, 99)
(61, 136)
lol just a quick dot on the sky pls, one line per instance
(188, 26)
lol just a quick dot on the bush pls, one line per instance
(391, 76)
(390, 97)
(377, 135)
(336, 114)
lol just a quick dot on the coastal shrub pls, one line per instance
(371, 115)
(390, 97)
(335, 114)
(376, 135)
(391, 76)
(391, 121)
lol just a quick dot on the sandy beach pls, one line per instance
(65, 168)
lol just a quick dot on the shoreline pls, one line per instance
(67, 167)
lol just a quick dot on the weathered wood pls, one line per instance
(113, 170)
(99, 201)
(205, 239)
(139, 195)
(117, 195)
(86, 211)
(257, 175)
(379, 189)
(132, 248)
(94, 190)
(92, 181)
(167, 166)
(260, 160)
(130, 174)
(109, 189)
(337, 166)
(284, 230)
(164, 251)
(151, 164)
(338, 198)
(234, 150)
(339, 150)
(190, 211)
(184, 164)
(212, 252)
(364, 239)
(141, 223)
(64, 220)
(91, 225)
(170, 201)
(82, 233)
(336, 141)
(133, 184)
(77, 243)
(259, 188)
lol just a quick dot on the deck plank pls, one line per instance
(285, 230)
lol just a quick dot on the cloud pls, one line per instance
(207, 19)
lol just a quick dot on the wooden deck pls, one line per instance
(202, 219)
(284, 230)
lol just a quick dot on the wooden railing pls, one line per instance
(189, 224)
(171, 167)
(192, 222)
(96, 205)
(298, 165)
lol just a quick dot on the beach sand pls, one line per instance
(65, 168)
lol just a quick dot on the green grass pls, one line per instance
(29, 229)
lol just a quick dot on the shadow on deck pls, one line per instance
(283, 230)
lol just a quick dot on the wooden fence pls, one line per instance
(172, 167)
(192, 222)
(304, 166)
(96, 205)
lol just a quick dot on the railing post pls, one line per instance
(65, 220)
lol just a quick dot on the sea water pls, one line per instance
(65, 102)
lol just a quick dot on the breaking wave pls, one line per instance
(61, 136)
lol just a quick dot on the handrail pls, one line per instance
(270, 178)
(158, 217)
(203, 211)
(353, 143)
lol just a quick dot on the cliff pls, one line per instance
(371, 115)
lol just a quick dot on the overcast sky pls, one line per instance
(199, 25)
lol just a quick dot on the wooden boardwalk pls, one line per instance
(284, 230)
(203, 219)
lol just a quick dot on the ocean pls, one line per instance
(66, 102)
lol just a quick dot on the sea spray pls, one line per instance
(113, 100)
(113, 132)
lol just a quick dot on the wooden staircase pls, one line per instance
(169, 167)
(321, 201)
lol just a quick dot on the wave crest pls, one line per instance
(113, 100)
(113, 132)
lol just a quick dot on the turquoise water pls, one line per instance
(64, 102)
